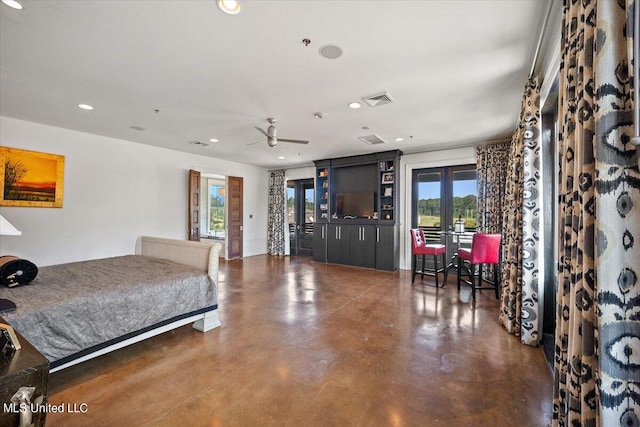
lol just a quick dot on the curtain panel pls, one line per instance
(521, 224)
(492, 171)
(277, 207)
(597, 356)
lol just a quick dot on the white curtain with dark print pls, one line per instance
(277, 232)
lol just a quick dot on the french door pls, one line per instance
(440, 197)
(300, 211)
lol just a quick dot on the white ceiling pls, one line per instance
(456, 70)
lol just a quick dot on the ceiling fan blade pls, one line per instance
(262, 131)
(295, 141)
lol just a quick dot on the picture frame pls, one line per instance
(31, 178)
(387, 178)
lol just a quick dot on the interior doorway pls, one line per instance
(215, 211)
(300, 211)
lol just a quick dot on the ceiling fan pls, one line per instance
(272, 139)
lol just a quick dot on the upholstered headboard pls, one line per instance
(203, 256)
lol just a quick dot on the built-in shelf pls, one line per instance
(367, 235)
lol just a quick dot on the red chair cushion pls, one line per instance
(434, 249)
(465, 254)
(420, 247)
(485, 249)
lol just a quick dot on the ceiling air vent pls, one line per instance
(378, 99)
(372, 139)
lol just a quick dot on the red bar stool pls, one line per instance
(485, 249)
(420, 247)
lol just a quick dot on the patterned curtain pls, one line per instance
(276, 221)
(519, 300)
(597, 356)
(492, 171)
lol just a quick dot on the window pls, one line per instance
(216, 221)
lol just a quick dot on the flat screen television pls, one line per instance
(360, 204)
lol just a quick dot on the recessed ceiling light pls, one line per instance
(85, 106)
(330, 51)
(281, 157)
(12, 3)
(213, 140)
(399, 139)
(320, 115)
(230, 7)
(354, 105)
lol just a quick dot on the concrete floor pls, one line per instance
(305, 343)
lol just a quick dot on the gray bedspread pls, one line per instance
(72, 307)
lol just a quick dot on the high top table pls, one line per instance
(453, 237)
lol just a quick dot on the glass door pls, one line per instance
(300, 216)
(441, 196)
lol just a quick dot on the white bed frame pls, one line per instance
(203, 256)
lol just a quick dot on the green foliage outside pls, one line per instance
(429, 211)
(216, 213)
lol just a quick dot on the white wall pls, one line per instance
(114, 191)
(299, 173)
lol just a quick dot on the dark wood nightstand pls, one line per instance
(27, 367)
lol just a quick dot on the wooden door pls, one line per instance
(194, 205)
(234, 217)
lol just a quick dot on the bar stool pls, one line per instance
(485, 249)
(420, 247)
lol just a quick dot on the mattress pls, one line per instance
(72, 309)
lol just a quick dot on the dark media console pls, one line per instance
(356, 210)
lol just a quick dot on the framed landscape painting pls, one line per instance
(31, 178)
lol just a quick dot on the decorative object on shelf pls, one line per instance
(387, 178)
(459, 226)
(31, 178)
(388, 192)
(386, 166)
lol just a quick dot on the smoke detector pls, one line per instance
(378, 99)
(372, 139)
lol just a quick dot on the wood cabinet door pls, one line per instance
(338, 244)
(234, 215)
(386, 247)
(320, 242)
(363, 245)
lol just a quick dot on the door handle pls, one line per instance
(377, 235)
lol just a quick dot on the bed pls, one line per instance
(77, 311)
